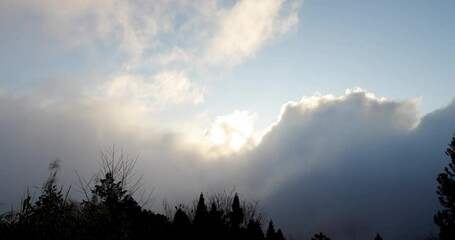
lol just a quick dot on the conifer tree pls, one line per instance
(445, 218)
(109, 191)
(215, 221)
(270, 235)
(236, 216)
(378, 237)
(214, 214)
(200, 217)
(320, 236)
(51, 217)
(254, 231)
(181, 219)
(279, 235)
(110, 212)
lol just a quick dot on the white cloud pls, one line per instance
(229, 134)
(378, 111)
(131, 26)
(172, 57)
(321, 122)
(247, 27)
(348, 165)
(142, 28)
(164, 89)
(176, 88)
(164, 39)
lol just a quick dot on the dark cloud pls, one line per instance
(349, 166)
(354, 166)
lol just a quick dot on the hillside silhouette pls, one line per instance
(110, 211)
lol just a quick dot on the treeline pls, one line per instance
(109, 211)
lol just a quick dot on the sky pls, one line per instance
(334, 114)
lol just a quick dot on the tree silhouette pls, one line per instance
(51, 216)
(109, 211)
(378, 237)
(254, 231)
(236, 216)
(109, 191)
(270, 235)
(113, 212)
(320, 236)
(200, 220)
(181, 225)
(215, 217)
(200, 217)
(216, 224)
(445, 218)
(50, 210)
(279, 235)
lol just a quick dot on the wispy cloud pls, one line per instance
(163, 89)
(164, 42)
(247, 27)
(132, 27)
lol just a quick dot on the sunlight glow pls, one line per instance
(231, 132)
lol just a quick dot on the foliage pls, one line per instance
(50, 217)
(378, 237)
(254, 231)
(272, 234)
(110, 211)
(236, 216)
(201, 215)
(320, 236)
(445, 218)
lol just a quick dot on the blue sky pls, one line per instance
(396, 49)
(213, 94)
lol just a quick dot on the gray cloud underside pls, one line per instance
(350, 166)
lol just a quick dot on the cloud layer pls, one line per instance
(153, 45)
(349, 165)
(352, 166)
(247, 26)
(79, 76)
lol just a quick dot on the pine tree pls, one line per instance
(109, 191)
(215, 216)
(320, 236)
(181, 225)
(279, 235)
(270, 235)
(51, 217)
(113, 213)
(216, 229)
(200, 217)
(378, 237)
(254, 231)
(237, 215)
(445, 218)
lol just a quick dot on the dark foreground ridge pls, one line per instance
(109, 211)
